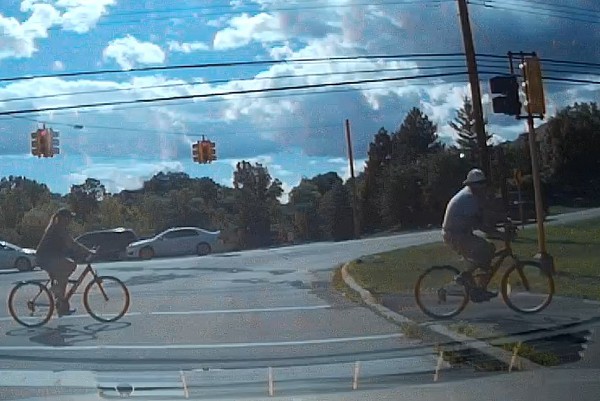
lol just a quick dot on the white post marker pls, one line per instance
(186, 394)
(439, 366)
(515, 354)
(271, 387)
(356, 373)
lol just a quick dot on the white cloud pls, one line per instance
(244, 29)
(82, 15)
(18, 39)
(129, 52)
(58, 66)
(187, 47)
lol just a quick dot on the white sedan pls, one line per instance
(175, 242)
(14, 257)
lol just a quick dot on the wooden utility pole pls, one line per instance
(465, 24)
(354, 196)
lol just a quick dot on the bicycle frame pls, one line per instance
(501, 255)
(88, 270)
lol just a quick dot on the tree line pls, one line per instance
(409, 177)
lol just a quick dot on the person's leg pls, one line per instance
(60, 274)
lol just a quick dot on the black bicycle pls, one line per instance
(31, 304)
(525, 286)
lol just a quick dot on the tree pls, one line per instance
(335, 213)
(380, 151)
(84, 198)
(573, 144)
(416, 137)
(255, 194)
(464, 125)
(304, 200)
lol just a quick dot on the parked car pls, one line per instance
(112, 243)
(176, 241)
(13, 256)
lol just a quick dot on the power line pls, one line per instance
(543, 5)
(146, 131)
(230, 93)
(490, 4)
(546, 60)
(235, 64)
(247, 10)
(224, 81)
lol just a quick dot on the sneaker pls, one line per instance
(66, 312)
(480, 295)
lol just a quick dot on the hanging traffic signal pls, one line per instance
(509, 103)
(196, 152)
(212, 152)
(35, 145)
(534, 87)
(54, 142)
(205, 151)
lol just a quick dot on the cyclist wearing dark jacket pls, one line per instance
(54, 254)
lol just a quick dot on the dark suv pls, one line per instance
(111, 243)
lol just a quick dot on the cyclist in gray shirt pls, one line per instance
(466, 212)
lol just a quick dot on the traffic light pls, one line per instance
(35, 148)
(205, 151)
(54, 142)
(196, 152)
(212, 152)
(509, 103)
(534, 87)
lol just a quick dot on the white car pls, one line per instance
(175, 242)
(14, 257)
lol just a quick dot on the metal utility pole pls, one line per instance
(465, 24)
(354, 196)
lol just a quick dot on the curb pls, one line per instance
(439, 329)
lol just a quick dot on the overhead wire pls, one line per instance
(491, 4)
(224, 81)
(231, 92)
(234, 64)
(246, 9)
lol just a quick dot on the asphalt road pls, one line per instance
(258, 308)
(246, 311)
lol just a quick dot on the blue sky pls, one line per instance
(294, 134)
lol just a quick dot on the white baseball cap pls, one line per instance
(475, 176)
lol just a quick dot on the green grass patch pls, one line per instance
(412, 331)
(575, 247)
(529, 352)
(339, 285)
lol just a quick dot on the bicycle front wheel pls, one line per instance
(437, 293)
(106, 299)
(30, 304)
(527, 288)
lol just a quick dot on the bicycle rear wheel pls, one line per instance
(527, 288)
(30, 304)
(438, 295)
(112, 295)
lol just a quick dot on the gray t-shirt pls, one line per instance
(463, 213)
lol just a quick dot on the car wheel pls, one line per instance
(146, 253)
(23, 264)
(203, 249)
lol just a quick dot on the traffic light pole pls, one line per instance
(546, 260)
(474, 82)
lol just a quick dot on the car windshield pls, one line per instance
(332, 199)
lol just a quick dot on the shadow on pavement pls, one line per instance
(65, 335)
(154, 278)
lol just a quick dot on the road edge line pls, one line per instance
(496, 353)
